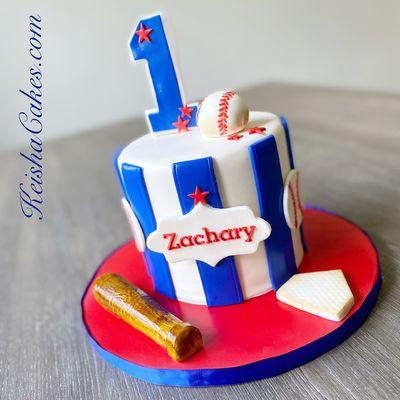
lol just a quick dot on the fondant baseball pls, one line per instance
(222, 113)
(292, 204)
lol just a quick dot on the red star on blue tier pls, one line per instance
(236, 136)
(198, 196)
(256, 129)
(181, 124)
(144, 34)
(186, 111)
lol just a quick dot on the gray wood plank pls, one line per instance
(347, 145)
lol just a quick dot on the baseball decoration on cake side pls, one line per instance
(222, 113)
(227, 278)
(292, 203)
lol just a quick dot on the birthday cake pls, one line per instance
(227, 271)
(159, 174)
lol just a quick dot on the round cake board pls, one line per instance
(259, 338)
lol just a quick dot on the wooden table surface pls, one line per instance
(347, 145)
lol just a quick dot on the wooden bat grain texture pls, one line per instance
(138, 309)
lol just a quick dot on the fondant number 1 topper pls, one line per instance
(149, 42)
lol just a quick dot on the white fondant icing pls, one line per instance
(252, 269)
(161, 151)
(209, 234)
(236, 186)
(187, 282)
(134, 224)
(324, 293)
(222, 113)
(185, 274)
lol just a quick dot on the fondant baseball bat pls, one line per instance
(138, 309)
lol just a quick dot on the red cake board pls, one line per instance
(259, 338)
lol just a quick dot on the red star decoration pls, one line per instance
(144, 33)
(181, 124)
(186, 111)
(256, 129)
(199, 196)
(236, 136)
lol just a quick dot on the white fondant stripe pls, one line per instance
(252, 268)
(164, 200)
(280, 140)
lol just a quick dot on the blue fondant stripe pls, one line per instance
(221, 283)
(289, 147)
(288, 142)
(269, 183)
(136, 192)
(149, 264)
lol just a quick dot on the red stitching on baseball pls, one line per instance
(236, 136)
(223, 107)
(299, 204)
(293, 200)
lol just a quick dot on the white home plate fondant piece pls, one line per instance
(292, 204)
(134, 224)
(324, 293)
(222, 113)
(209, 234)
